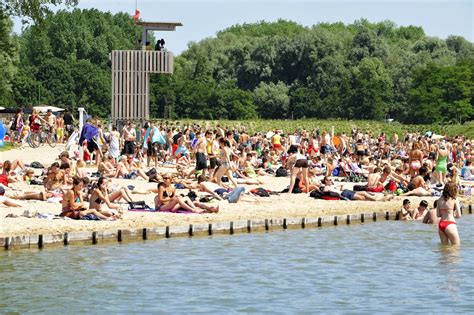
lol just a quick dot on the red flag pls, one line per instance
(137, 15)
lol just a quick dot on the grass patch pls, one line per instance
(7, 146)
(374, 127)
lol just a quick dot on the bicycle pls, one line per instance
(33, 139)
(49, 135)
(15, 138)
(37, 138)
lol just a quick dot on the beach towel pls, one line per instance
(181, 211)
(143, 210)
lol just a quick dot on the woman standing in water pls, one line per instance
(448, 209)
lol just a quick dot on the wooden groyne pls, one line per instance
(226, 227)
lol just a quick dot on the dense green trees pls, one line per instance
(65, 60)
(268, 70)
(363, 70)
(8, 57)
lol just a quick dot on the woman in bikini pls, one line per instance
(73, 205)
(447, 209)
(416, 159)
(100, 195)
(225, 159)
(298, 163)
(107, 167)
(166, 200)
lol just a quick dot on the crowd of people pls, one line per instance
(21, 125)
(218, 163)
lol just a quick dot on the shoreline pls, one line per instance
(95, 237)
(275, 207)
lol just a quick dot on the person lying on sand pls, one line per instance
(167, 200)
(353, 195)
(4, 200)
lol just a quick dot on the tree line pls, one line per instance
(278, 70)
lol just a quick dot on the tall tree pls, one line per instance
(8, 58)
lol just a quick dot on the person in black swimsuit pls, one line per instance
(166, 200)
(101, 195)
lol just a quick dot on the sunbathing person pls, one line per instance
(6, 176)
(100, 195)
(211, 188)
(55, 179)
(73, 205)
(64, 158)
(107, 167)
(128, 169)
(375, 183)
(417, 186)
(302, 185)
(166, 200)
(352, 195)
(13, 165)
(4, 200)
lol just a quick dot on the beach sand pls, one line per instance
(273, 207)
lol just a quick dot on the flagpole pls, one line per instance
(135, 22)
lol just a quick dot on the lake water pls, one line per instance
(388, 266)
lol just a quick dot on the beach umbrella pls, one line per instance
(44, 108)
(270, 134)
(2, 108)
(3, 130)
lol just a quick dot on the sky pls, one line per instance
(204, 18)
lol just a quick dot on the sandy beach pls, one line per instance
(275, 207)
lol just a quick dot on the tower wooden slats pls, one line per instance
(131, 71)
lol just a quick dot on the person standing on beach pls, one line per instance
(68, 122)
(297, 162)
(129, 135)
(114, 145)
(416, 159)
(225, 160)
(441, 165)
(201, 156)
(447, 209)
(60, 128)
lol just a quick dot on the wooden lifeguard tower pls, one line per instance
(131, 71)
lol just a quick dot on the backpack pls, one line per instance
(151, 172)
(192, 195)
(138, 205)
(36, 165)
(281, 172)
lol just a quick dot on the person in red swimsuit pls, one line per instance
(447, 209)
